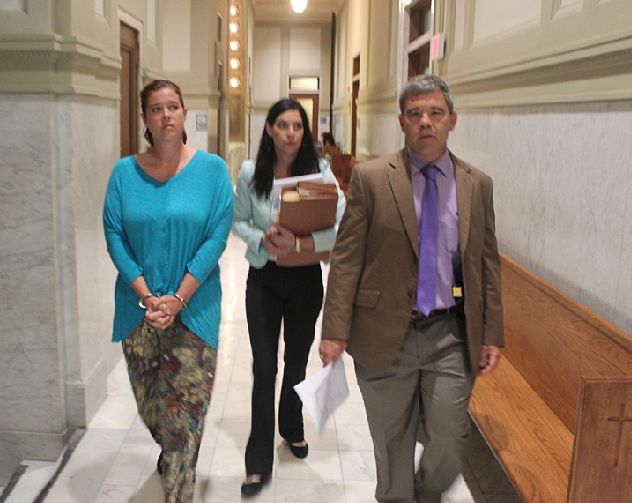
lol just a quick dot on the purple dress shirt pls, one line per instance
(448, 257)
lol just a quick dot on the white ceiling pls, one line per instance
(281, 10)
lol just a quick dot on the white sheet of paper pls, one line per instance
(323, 393)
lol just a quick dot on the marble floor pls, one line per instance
(114, 459)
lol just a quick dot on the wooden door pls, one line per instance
(354, 115)
(130, 108)
(355, 92)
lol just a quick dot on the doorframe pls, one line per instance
(315, 109)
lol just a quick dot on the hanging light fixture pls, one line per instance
(299, 5)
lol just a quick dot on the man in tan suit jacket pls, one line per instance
(416, 371)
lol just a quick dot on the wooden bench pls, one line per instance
(329, 150)
(341, 166)
(526, 409)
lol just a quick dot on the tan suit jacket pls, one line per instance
(373, 274)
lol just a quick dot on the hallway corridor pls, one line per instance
(114, 461)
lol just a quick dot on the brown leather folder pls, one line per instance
(315, 211)
(308, 215)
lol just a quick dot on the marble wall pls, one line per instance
(378, 134)
(562, 194)
(257, 125)
(56, 281)
(86, 158)
(29, 351)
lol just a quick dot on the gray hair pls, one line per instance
(426, 84)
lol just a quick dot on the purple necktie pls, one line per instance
(428, 243)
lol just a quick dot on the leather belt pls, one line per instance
(418, 315)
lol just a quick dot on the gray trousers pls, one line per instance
(424, 395)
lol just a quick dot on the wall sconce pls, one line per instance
(234, 42)
(299, 5)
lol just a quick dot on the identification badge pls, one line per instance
(457, 291)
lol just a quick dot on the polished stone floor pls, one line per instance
(114, 460)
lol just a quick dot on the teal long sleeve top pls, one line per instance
(252, 215)
(164, 230)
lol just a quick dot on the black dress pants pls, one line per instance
(294, 296)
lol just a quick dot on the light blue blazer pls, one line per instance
(251, 216)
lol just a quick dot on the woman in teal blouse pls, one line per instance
(274, 294)
(167, 216)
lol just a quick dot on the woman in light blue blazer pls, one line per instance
(275, 294)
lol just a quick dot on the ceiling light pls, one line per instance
(234, 27)
(234, 83)
(234, 45)
(233, 10)
(234, 63)
(299, 5)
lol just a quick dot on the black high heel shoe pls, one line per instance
(159, 464)
(253, 487)
(299, 451)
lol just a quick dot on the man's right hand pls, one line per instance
(330, 350)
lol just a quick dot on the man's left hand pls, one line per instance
(490, 356)
(331, 350)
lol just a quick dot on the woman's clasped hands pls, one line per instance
(278, 241)
(161, 311)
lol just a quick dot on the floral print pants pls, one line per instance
(172, 372)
